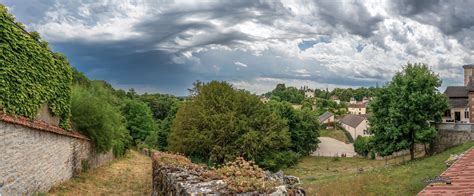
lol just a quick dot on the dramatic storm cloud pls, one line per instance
(163, 46)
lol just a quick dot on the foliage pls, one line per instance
(303, 126)
(402, 110)
(30, 75)
(139, 119)
(221, 123)
(363, 145)
(159, 138)
(78, 78)
(290, 94)
(243, 176)
(161, 105)
(95, 115)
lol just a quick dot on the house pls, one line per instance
(352, 101)
(327, 117)
(264, 99)
(336, 99)
(355, 124)
(357, 108)
(461, 99)
(308, 93)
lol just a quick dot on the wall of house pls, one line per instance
(357, 110)
(461, 111)
(452, 134)
(330, 119)
(35, 156)
(359, 130)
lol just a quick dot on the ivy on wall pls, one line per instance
(30, 75)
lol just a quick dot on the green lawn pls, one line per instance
(327, 176)
(335, 133)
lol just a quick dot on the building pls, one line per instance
(356, 125)
(308, 93)
(336, 99)
(461, 99)
(358, 108)
(327, 117)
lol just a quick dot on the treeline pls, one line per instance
(296, 96)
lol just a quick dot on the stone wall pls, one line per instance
(35, 155)
(452, 134)
(176, 175)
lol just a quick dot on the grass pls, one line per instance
(130, 175)
(335, 133)
(327, 176)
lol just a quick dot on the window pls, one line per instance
(447, 113)
(466, 114)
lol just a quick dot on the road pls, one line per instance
(330, 147)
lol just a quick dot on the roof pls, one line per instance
(461, 175)
(334, 97)
(325, 116)
(458, 102)
(356, 105)
(456, 91)
(352, 120)
(470, 66)
(39, 125)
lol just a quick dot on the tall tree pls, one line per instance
(139, 119)
(403, 109)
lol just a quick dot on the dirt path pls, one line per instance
(130, 175)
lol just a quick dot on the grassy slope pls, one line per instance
(406, 179)
(336, 134)
(130, 175)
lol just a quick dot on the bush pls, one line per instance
(221, 123)
(364, 145)
(94, 115)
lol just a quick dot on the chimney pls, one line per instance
(468, 73)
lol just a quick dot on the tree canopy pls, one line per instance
(221, 123)
(403, 109)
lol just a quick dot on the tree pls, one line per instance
(363, 145)
(403, 109)
(221, 123)
(289, 94)
(303, 126)
(95, 115)
(139, 119)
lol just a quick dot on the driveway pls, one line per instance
(330, 147)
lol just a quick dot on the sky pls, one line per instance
(164, 46)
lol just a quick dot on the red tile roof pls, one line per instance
(461, 174)
(39, 125)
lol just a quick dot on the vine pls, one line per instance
(30, 75)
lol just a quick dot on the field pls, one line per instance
(336, 134)
(130, 175)
(330, 176)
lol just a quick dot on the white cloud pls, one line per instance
(240, 64)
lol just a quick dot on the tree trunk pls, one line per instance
(412, 151)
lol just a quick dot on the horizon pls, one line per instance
(165, 47)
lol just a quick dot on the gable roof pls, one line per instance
(357, 105)
(456, 92)
(353, 120)
(325, 116)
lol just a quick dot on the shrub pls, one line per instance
(94, 115)
(363, 145)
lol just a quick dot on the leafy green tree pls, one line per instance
(303, 126)
(403, 109)
(159, 138)
(95, 115)
(289, 94)
(363, 145)
(139, 119)
(221, 123)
